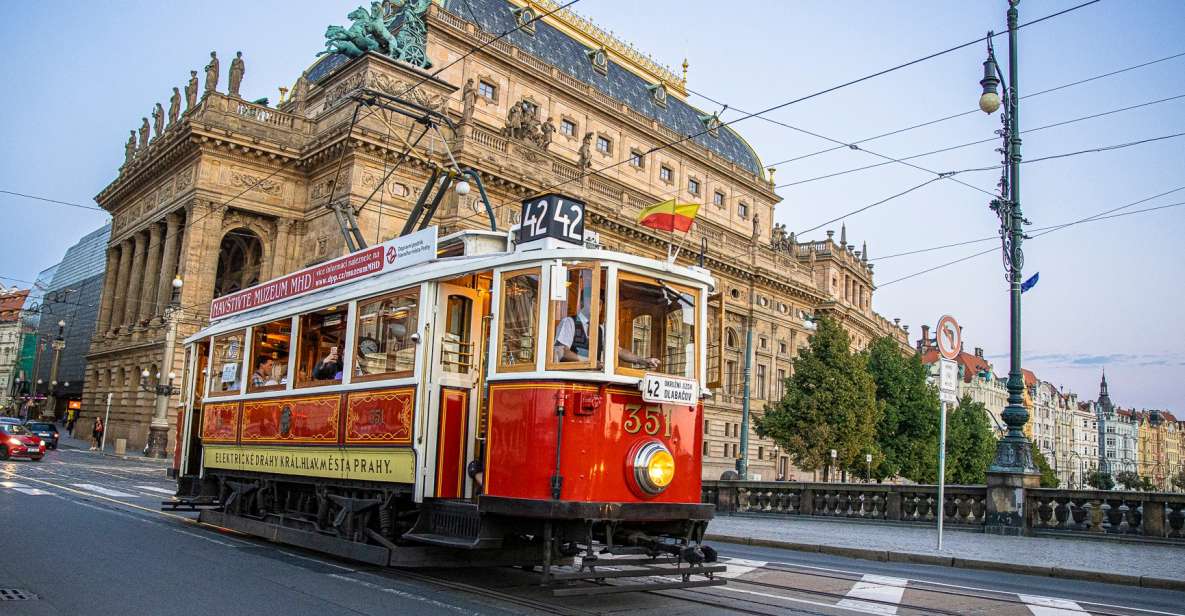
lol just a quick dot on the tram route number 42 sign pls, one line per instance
(660, 388)
(552, 216)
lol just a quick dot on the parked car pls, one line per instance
(10, 420)
(46, 431)
(17, 441)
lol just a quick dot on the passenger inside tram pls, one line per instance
(320, 352)
(269, 356)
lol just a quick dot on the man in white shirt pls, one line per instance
(571, 342)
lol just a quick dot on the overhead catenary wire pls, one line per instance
(1095, 150)
(888, 159)
(977, 142)
(793, 101)
(990, 168)
(284, 165)
(996, 238)
(977, 110)
(1047, 230)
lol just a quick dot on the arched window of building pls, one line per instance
(239, 258)
(730, 338)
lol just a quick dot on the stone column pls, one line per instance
(168, 267)
(135, 299)
(279, 264)
(107, 301)
(121, 284)
(198, 263)
(149, 306)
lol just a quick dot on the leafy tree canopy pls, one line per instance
(907, 432)
(1100, 481)
(1048, 477)
(829, 403)
(1131, 480)
(970, 443)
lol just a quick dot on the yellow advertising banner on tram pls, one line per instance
(386, 464)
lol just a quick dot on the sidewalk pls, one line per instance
(1119, 562)
(65, 441)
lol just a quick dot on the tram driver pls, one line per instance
(571, 340)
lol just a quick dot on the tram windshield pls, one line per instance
(577, 324)
(655, 327)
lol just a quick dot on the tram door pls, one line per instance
(455, 375)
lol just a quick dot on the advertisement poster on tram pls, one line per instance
(396, 253)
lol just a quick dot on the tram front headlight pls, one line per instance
(654, 467)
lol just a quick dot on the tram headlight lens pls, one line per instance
(654, 467)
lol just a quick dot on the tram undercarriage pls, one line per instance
(565, 542)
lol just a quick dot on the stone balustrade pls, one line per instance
(964, 505)
(1146, 515)
(1133, 514)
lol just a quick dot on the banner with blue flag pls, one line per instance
(1030, 283)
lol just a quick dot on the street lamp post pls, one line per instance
(868, 463)
(59, 343)
(831, 468)
(158, 429)
(1013, 453)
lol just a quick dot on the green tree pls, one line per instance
(1048, 477)
(1178, 480)
(907, 433)
(1100, 481)
(970, 443)
(830, 403)
(1130, 480)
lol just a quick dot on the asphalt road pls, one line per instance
(82, 535)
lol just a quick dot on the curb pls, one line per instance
(108, 454)
(961, 563)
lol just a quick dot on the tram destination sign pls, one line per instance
(660, 388)
(552, 216)
(391, 255)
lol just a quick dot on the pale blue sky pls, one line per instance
(79, 76)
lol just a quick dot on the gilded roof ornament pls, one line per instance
(621, 50)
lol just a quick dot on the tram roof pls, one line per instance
(438, 269)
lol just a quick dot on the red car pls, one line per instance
(18, 441)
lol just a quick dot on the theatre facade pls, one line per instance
(226, 193)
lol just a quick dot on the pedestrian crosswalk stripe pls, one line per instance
(740, 566)
(1049, 606)
(880, 594)
(90, 487)
(32, 491)
(157, 490)
(12, 484)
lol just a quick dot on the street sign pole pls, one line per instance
(941, 470)
(950, 343)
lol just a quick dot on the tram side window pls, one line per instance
(322, 344)
(226, 370)
(384, 347)
(269, 356)
(576, 321)
(656, 328)
(520, 320)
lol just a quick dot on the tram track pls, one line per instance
(930, 587)
(763, 597)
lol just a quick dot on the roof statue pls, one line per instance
(371, 30)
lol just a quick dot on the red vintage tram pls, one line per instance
(482, 398)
